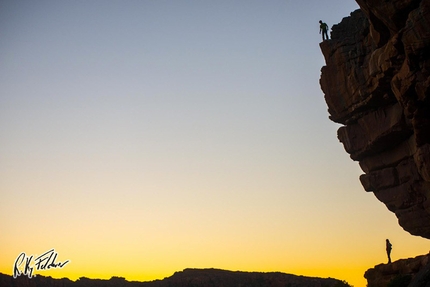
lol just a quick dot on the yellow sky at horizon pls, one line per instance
(103, 258)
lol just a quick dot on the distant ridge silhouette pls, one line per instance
(186, 278)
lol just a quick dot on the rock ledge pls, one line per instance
(377, 85)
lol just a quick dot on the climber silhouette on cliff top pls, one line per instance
(388, 247)
(323, 29)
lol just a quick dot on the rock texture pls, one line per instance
(377, 85)
(186, 278)
(412, 272)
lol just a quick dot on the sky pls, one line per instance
(140, 138)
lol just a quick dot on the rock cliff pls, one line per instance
(411, 272)
(377, 85)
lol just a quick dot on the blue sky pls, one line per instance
(188, 133)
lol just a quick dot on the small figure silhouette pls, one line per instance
(323, 29)
(388, 246)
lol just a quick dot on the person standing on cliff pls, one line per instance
(388, 247)
(324, 29)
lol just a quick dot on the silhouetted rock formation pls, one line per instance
(186, 278)
(216, 277)
(413, 272)
(377, 85)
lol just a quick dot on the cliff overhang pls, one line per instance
(376, 83)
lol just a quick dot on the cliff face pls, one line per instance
(411, 272)
(377, 85)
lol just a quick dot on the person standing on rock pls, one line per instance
(388, 247)
(324, 29)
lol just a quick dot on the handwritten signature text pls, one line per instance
(25, 265)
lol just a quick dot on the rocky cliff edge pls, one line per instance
(411, 272)
(377, 85)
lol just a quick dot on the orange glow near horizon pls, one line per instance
(145, 260)
(144, 238)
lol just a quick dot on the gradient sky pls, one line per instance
(139, 138)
